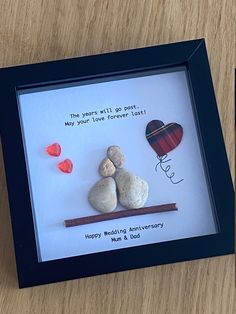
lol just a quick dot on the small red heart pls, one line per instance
(54, 150)
(66, 166)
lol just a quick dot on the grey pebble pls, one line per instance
(103, 196)
(132, 190)
(115, 154)
(106, 168)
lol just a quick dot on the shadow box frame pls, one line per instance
(191, 54)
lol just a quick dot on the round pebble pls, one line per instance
(106, 168)
(102, 195)
(114, 153)
(132, 190)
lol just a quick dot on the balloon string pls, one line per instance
(162, 160)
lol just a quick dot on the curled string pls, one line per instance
(166, 168)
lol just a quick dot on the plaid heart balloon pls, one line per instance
(163, 138)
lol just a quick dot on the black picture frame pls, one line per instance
(191, 54)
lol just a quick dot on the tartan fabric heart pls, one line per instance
(163, 138)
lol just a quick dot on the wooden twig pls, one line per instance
(120, 214)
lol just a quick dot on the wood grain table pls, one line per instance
(39, 30)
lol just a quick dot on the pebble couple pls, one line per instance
(117, 185)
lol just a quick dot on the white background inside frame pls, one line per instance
(57, 196)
